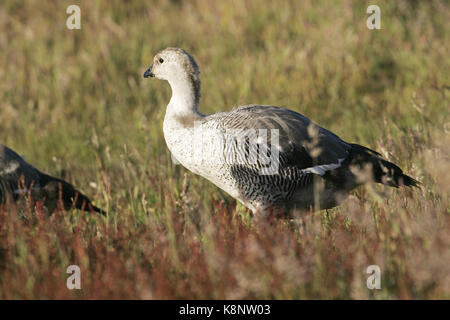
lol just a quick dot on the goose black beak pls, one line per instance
(149, 72)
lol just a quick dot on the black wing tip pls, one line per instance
(407, 181)
(97, 209)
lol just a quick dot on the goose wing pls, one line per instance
(303, 145)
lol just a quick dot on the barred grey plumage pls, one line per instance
(315, 168)
(17, 177)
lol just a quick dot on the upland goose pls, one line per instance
(272, 160)
(18, 178)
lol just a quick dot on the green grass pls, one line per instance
(75, 104)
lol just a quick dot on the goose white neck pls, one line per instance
(185, 95)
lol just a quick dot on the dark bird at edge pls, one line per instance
(18, 178)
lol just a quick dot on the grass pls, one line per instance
(75, 104)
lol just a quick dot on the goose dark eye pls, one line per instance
(161, 60)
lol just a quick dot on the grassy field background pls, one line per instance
(74, 104)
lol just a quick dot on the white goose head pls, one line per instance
(181, 71)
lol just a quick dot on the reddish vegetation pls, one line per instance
(186, 255)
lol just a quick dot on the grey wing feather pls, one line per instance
(303, 144)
